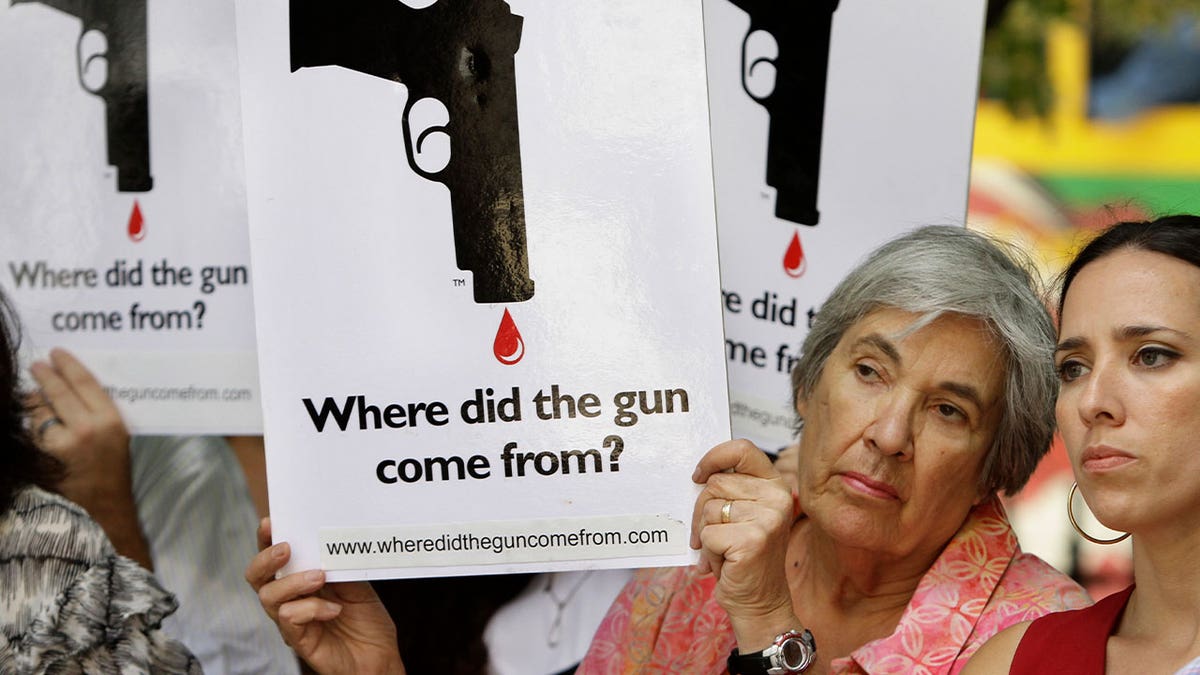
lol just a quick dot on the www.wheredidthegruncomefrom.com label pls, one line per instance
(516, 541)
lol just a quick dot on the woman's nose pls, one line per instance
(1100, 398)
(891, 432)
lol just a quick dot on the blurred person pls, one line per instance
(924, 389)
(1128, 358)
(505, 624)
(69, 603)
(180, 506)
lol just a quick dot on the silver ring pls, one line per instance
(727, 512)
(46, 424)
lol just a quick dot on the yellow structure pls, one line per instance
(1161, 142)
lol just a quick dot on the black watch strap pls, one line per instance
(748, 664)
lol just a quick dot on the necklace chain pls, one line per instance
(560, 605)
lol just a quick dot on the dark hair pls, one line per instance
(1177, 236)
(21, 462)
(440, 621)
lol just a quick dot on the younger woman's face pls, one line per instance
(1129, 405)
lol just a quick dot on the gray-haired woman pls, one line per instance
(924, 388)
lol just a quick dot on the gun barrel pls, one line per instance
(126, 94)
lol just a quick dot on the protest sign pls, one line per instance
(486, 281)
(836, 126)
(123, 204)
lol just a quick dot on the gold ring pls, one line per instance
(727, 512)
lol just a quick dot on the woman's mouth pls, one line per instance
(870, 487)
(1099, 458)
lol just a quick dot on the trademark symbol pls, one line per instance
(459, 282)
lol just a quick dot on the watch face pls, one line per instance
(793, 652)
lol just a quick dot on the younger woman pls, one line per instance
(1128, 358)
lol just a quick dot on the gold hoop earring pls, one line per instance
(1085, 535)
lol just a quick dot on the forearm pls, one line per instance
(112, 506)
(758, 631)
(120, 523)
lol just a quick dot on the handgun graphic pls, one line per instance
(462, 53)
(125, 89)
(797, 103)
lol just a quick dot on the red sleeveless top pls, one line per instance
(1070, 643)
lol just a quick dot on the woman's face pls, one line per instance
(1129, 404)
(897, 429)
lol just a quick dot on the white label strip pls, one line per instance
(491, 542)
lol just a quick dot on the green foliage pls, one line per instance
(1014, 55)
(1014, 49)
(1120, 23)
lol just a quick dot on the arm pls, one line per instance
(90, 438)
(746, 554)
(335, 628)
(996, 655)
(199, 519)
(252, 456)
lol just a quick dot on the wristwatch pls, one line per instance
(791, 652)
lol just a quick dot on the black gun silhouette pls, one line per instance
(797, 104)
(125, 89)
(460, 52)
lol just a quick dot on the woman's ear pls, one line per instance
(801, 403)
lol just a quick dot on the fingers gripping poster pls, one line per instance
(486, 280)
(836, 125)
(123, 205)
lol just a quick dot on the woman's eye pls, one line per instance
(866, 372)
(949, 411)
(1070, 370)
(1153, 357)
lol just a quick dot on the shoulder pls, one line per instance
(179, 461)
(1073, 641)
(1027, 586)
(996, 655)
(77, 601)
(1041, 588)
(1028, 589)
(43, 526)
(665, 619)
(187, 490)
(46, 543)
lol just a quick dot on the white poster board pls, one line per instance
(123, 207)
(888, 149)
(535, 394)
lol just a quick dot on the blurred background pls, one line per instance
(1089, 113)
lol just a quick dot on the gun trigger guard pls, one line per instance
(81, 65)
(412, 150)
(430, 130)
(761, 100)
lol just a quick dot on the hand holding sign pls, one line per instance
(335, 628)
(76, 421)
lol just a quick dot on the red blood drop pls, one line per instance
(509, 347)
(794, 262)
(137, 225)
